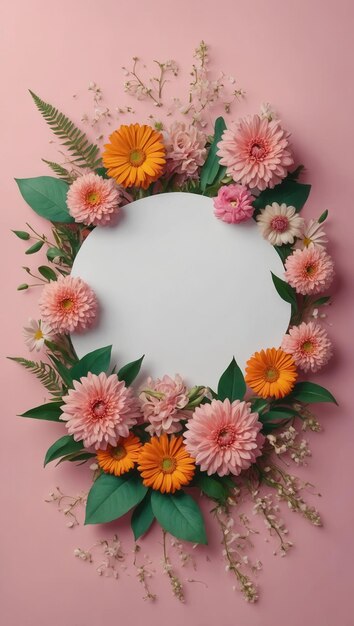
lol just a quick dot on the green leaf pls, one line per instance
(60, 171)
(284, 251)
(47, 272)
(285, 291)
(288, 191)
(101, 171)
(258, 405)
(22, 287)
(44, 372)
(63, 371)
(76, 456)
(212, 487)
(277, 414)
(323, 217)
(64, 445)
(35, 248)
(95, 362)
(129, 372)
(111, 497)
(311, 393)
(21, 234)
(179, 515)
(210, 169)
(53, 253)
(142, 517)
(232, 383)
(46, 196)
(321, 301)
(50, 411)
(296, 173)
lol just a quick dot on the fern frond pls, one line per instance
(44, 372)
(60, 171)
(85, 154)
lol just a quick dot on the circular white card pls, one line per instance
(182, 287)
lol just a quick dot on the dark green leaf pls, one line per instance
(288, 191)
(321, 301)
(212, 487)
(65, 445)
(284, 251)
(311, 393)
(101, 171)
(142, 517)
(258, 405)
(63, 371)
(35, 248)
(76, 456)
(277, 414)
(296, 173)
(21, 234)
(95, 362)
(129, 372)
(50, 411)
(232, 383)
(323, 217)
(210, 169)
(179, 515)
(47, 272)
(111, 497)
(53, 253)
(46, 195)
(22, 287)
(285, 291)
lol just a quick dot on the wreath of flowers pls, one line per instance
(156, 446)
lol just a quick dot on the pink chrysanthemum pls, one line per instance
(162, 401)
(309, 346)
(233, 204)
(99, 410)
(309, 271)
(93, 200)
(224, 437)
(256, 152)
(68, 304)
(185, 152)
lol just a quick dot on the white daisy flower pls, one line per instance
(312, 233)
(280, 224)
(35, 334)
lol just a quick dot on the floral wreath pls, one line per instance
(154, 447)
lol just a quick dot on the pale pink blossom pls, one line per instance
(256, 153)
(185, 152)
(68, 304)
(233, 204)
(309, 345)
(224, 437)
(99, 410)
(312, 233)
(93, 200)
(162, 401)
(279, 223)
(309, 271)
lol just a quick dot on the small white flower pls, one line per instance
(266, 112)
(280, 224)
(312, 233)
(35, 334)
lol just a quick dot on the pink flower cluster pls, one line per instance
(162, 401)
(233, 204)
(185, 152)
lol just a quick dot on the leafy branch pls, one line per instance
(44, 372)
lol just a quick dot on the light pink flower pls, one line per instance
(279, 223)
(224, 437)
(36, 333)
(185, 152)
(309, 346)
(233, 204)
(68, 305)
(94, 200)
(312, 233)
(256, 152)
(99, 410)
(309, 271)
(162, 401)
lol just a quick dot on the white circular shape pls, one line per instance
(183, 288)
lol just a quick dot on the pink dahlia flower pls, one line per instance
(309, 271)
(256, 152)
(224, 437)
(309, 346)
(99, 410)
(162, 401)
(233, 204)
(93, 200)
(185, 152)
(68, 304)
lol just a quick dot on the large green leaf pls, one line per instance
(288, 191)
(95, 362)
(311, 393)
(211, 166)
(285, 291)
(212, 486)
(63, 371)
(63, 446)
(142, 517)
(232, 383)
(129, 372)
(111, 497)
(277, 414)
(179, 515)
(50, 411)
(46, 195)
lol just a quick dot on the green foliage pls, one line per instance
(95, 362)
(129, 372)
(142, 517)
(21, 234)
(64, 446)
(232, 383)
(84, 153)
(323, 217)
(213, 487)
(35, 248)
(311, 393)
(63, 371)
(179, 515)
(50, 411)
(288, 191)
(321, 301)
(47, 272)
(211, 168)
(110, 497)
(285, 291)
(22, 287)
(284, 251)
(46, 196)
(60, 171)
(259, 404)
(44, 372)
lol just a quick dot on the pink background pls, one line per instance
(298, 55)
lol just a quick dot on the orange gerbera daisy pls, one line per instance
(121, 458)
(165, 464)
(271, 373)
(135, 156)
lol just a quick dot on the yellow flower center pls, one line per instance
(137, 157)
(234, 203)
(38, 334)
(307, 242)
(271, 374)
(310, 270)
(93, 197)
(168, 465)
(307, 346)
(119, 453)
(67, 304)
